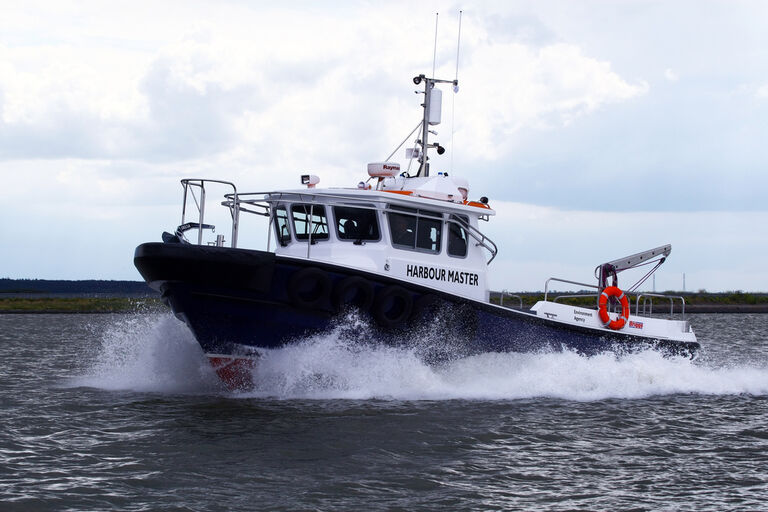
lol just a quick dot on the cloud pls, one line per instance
(54, 101)
(177, 105)
(212, 90)
(538, 242)
(512, 86)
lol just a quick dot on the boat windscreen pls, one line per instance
(356, 223)
(281, 226)
(415, 230)
(309, 217)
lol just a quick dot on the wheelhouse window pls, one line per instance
(457, 236)
(281, 226)
(309, 218)
(356, 224)
(414, 229)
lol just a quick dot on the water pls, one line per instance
(121, 412)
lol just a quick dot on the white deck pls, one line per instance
(656, 328)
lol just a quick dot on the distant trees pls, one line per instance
(91, 286)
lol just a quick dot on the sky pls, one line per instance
(596, 128)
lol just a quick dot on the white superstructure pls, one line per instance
(435, 242)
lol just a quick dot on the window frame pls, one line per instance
(449, 223)
(278, 236)
(370, 208)
(310, 210)
(416, 214)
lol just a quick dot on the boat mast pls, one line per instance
(432, 107)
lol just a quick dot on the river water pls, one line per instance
(122, 412)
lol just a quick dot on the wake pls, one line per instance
(156, 353)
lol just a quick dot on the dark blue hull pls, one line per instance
(236, 298)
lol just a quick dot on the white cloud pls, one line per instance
(39, 83)
(540, 242)
(512, 86)
(284, 77)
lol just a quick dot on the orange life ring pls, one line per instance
(621, 321)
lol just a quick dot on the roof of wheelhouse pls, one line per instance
(400, 198)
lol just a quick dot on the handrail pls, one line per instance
(546, 285)
(579, 295)
(482, 240)
(505, 292)
(229, 203)
(671, 303)
(234, 209)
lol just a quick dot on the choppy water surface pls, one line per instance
(122, 412)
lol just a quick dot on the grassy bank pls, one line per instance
(80, 305)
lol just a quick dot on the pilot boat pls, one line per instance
(407, 252)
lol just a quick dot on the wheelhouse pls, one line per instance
(331, 218)
(384, 233)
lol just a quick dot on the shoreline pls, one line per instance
(80, 305)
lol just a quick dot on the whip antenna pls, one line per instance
(458, 45)
(434, 53)
(455, 90)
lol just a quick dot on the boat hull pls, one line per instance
(238, 302)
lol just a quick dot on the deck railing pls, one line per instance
(546, 286)
(189, 185)
(648, 304)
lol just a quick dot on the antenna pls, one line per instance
(453, 98)
(434, 53)
(458, 45)
(433, 98)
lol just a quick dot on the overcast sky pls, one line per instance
(596, 128)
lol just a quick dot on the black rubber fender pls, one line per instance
(309, 287)
(354, 291)
(392, 307)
